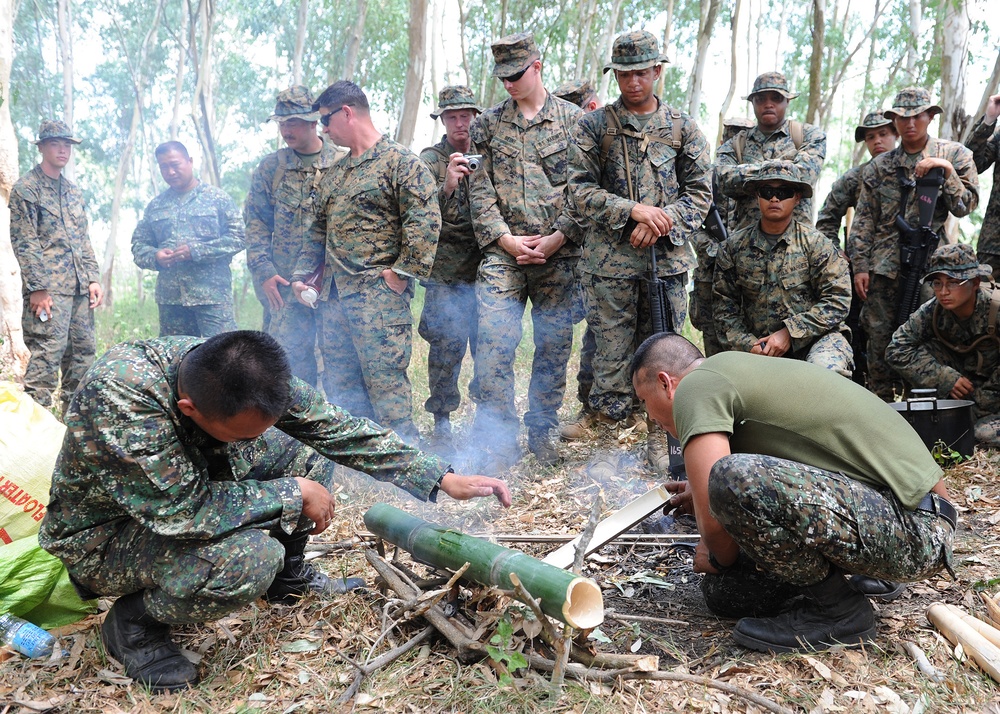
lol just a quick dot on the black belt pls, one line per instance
(939, 506)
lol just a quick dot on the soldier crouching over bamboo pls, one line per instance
(190, 478)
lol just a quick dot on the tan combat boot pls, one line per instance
(586, 427)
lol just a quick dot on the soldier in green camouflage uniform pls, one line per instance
(189, 494)
(60, 280)
(781, 289)
(873, 246)
(794, 493)
(984, 142)
(376, 230)
(526, 226)
(774, 138)
(656, 195)
(705, 248)
(949, 343)
(189, 235)
(449, 320)
(278, 213)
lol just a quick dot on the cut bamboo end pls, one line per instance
(584, 606)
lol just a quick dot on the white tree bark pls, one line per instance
(816, 61)
(912, 52)
(414, 89)
(733, 41)
(13, 354)
(302, 23)
(354, 46)
(954, 59)
(706, 23)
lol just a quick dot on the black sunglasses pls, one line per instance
(782, 193)
(325, 118)
(514, 77)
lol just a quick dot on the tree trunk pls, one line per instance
(64, 20)
(588, 11)
(465, 56)
(414, 88)
(991, 88)
(955, 48)
(609, 40)
(816, 62)
(354, 44)
(666, 45)
(709, 14)
(734, 30)
(175, 118)
(13, 354)
(202, 101)
(916, 17)
(302, 23)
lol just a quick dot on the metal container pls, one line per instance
(940, 420)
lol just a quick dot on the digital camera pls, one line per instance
(474, 160)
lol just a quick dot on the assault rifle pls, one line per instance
(915, 243)
(713, 223)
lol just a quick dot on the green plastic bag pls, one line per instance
(35, 585)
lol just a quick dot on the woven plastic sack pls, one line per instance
(35, 585)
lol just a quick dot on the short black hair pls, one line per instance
(342, 93)
(664, 352)
(236, 372)
(168, 146)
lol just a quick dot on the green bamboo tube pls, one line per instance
(569, 598)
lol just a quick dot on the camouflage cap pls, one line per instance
(455, 97)
(772, 82)
(910, 102)
(578, 91)
(777, 170)
(635, 50)
(55, 129)
(513, 53)
(294, 103)
(957, 260)
(872, 120)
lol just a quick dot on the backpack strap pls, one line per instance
(796, 132)
(279, 173)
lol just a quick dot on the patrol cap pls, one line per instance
(912, 101)
(872, 120)
(776, 170)
(958, 261)
(455, 97)
(635, 50)
(294, 103)
(772, 82)
(55, 129)
(577, 92)
(513, 53)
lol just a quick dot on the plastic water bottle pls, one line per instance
(309, 295)
(27, 638)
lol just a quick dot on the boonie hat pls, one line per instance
(772, 82)
(872, 120)
(577, 92)
(55, 129)
(958, 261)
(513, 53)
(784, 171)
(294, 103)
(912, 101)
(635, 50)
(455, 97)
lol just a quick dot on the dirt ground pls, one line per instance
(298, 659)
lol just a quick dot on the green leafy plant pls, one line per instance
(500, 649)
(945, 455)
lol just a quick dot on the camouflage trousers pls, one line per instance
(987, 431)
(449, 324)
(64, 342)
(585, 374)
(294, 327)
(830, 351)
(503, 289)
(794, 520)
(196, 320)
(366, 341)
(618, 313)
(878, 318)
(701, 316)
(191, 581)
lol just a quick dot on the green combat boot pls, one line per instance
(143, 646)
(657, 449)
(833, 614)
(297, 577)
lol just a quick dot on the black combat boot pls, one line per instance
(833, 614)
(877, 589)
(541, 446)
(440, 442)
(297, 577)
(143, 646)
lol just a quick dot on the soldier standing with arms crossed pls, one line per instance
(984, 142)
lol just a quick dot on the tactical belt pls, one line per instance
(940, 507)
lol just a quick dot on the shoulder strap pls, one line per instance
(675, 130)
(796, 132)
(279, 173)
(739, 143)
(612, 128)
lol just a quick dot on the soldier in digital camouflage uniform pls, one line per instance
(60, 280)
(278, 213)
(582, 94)
(705, 248)
(790, 494)
(669, 197)
(952, 343)
(190, 478)
(984, 142)
(781, 289)
(773, 138)
(527, 228)
(189, 235)
(873, 246)
(376, 230)
(449, 320)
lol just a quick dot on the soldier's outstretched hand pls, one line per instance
(462, 488)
